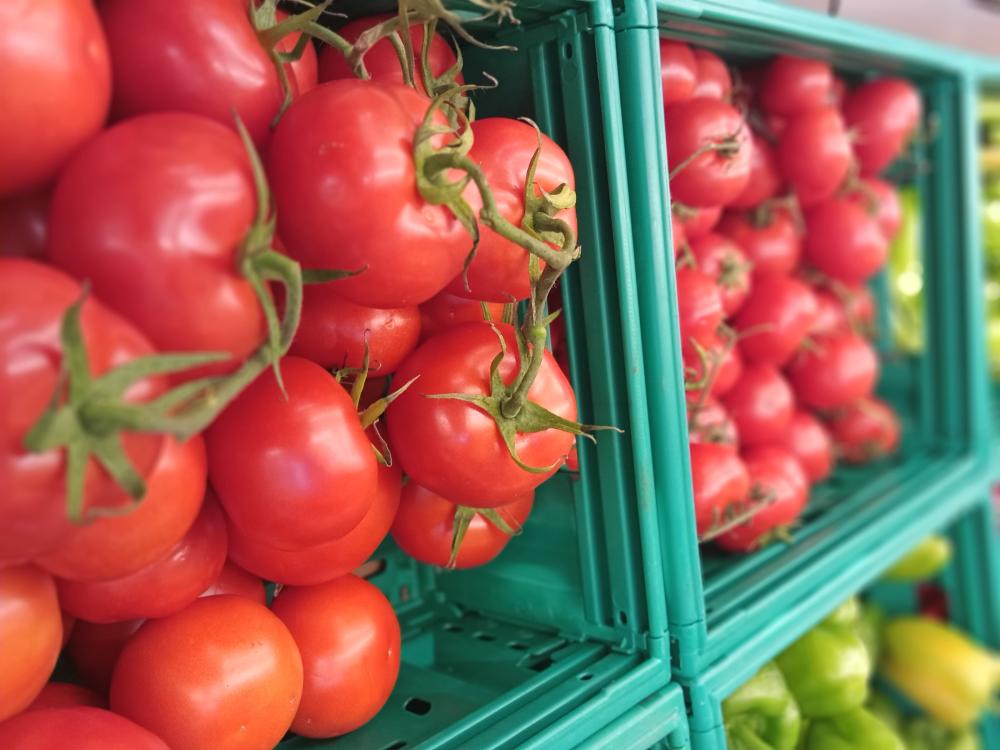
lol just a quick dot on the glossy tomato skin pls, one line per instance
(115, 546)
(198, 56)
(447, 310)
(776, 317)
(865, 430)
(844, 241)
(699, 306)
(94, 648)
(453, 448)
(709, 422)
(718, 479)
(224, 672)
(697, 222)
(343, 156)
(31, 627)
(33, 299)
(714, 81)
(723, 260)
(814, 154)
(503, 147)
(773, 247)
(761, 403)
(885, 113)
(163, 587)
(837, 370)
(425, 522)
(55, 76)
(765, 177)
(678, 237)
(24, 225)
(90, 729)
(234, 580)
(831, 317)
(713, 178)
(252, 468)
(881, 199)
(795, 84)
(334, 331)
(152, 213)
(810, 442)
(349, 638)
(323, 562)
(66, 695)
(678, 71)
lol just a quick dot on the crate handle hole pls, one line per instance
(541, 665)
(417, 706)
(395, 745)
(517, 646)
(622, 617)
(452, 627)
(567, 50)
(586, 676)
(484, 637)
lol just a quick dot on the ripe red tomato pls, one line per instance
(793, 85)
(90, 729)
(333, 332)
(311, 565)
(696, 222)
(198, 56)
(349, 638)
(761, 403)
(283, 485)
(814, 153)
(115, 546)
(860, 308)
(678, 71)
(777, 478)
(831, 317)
(709, 422)
(714, 81)
(31, 630)
(94, 648)
(810, 442)
(381, 60)
(503, 148)
(238, 582)
(224, 672)
(723, 260)
(24, 225)
(66, 695)
(765, 177)
(881, 199)
(838, 91)
(161, 588)
(449, 310)
(454, 448)
(884, 113)
(773, 247)
(425, 522)
(775, 318)
(865, 430)
(677, 234)
(843, 241)
(699, 306)
(330, 167)
(714, 131)
(835, 371)
(152, 212)
(33, 299)
(720, 355)
(718, 479)
(56, 82)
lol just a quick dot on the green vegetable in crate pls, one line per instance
(869, 628)
(907, 275)
(857, 729)
(882, 706)
(922, 562)
(923, 733)
(762, 713)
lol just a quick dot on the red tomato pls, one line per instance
(718, 479)
(349, 638)
(68, 625)
(714, 81)
(793, 85)
(775, 318)
(115, 546)
(24, 225)
(776, 478)
(720, 355)
(884, 113)
(881, 200)
(66, 695)
(30, 635)
(709, 422)
(311, 565)
(33, 299)
(222, 673)
(93, 649)
(198, 56)
(161, 588)
(330, 167)
(381, 61)
(859, 306)
(449, 310)
(677, 234)
(284, 485)
(765, 177)
(699, 306)
(56, 82)
(696, 222)
(721, 258)
(773, 247)
(761, 403)
(865, 430)
(503, 148)
(425, 522)
(831, 317)
(90, 729)
(451, 446)
(838, 91)
(333, 332)
(678, 71)
(844, 242)
(236, 581)
(810, 442)
(714, 137)
(835, 371)
(814, 153)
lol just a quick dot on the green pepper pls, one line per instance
(846, 614)
(827, 670)
(923, 733)
(762, 714)
(922, 562)
(854, 730)
(885, 709)
(869, 629)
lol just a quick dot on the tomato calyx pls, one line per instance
(464, 516)
(727, 147)
(738, 513)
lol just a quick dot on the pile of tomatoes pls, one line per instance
(182, 420)
(779, 220)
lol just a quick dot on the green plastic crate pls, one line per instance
(722, 607)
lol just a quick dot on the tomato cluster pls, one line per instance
(184, 421)
(779, 220)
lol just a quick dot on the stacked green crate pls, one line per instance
(990, 162)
